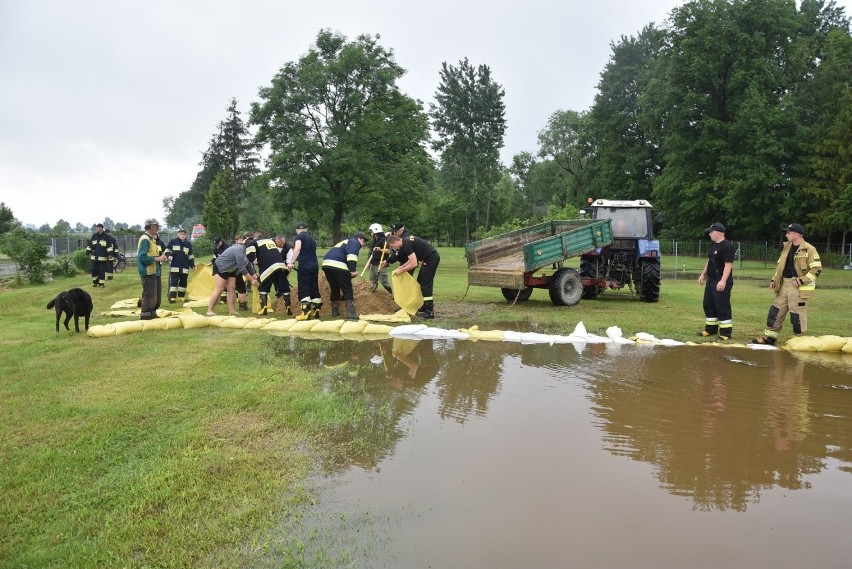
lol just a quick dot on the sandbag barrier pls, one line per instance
(339, 329)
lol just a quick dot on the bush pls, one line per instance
(28, 254)
(62, 266)
(81, 261)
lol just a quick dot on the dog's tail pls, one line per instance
(51, 303)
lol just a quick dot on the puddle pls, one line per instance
(492, 454)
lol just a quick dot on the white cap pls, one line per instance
(376, 228)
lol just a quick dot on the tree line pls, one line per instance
(737, 111)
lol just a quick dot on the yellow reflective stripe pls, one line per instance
(352, 257)
(335, 264)
(271, 269)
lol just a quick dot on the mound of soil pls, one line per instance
(366, 301)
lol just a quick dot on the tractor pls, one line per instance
(633, 258)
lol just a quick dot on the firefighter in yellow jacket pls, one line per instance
(794, 282)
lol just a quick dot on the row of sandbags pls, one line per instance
(190, 319)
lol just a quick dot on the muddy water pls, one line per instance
(505, 455)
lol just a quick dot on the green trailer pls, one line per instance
(512, 261)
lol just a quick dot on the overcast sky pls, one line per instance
(106, 105)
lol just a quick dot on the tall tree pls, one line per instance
(723, 111)
(340, 132)
(564, 141)
(626, 157)
(7, 219)
(469, 119)
(220, 208)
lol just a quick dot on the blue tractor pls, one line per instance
(633, 258)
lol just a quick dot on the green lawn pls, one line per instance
(193, 448)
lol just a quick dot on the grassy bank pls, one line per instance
(186, 448)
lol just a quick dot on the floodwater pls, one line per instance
(506, 455)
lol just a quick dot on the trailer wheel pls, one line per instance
(511, 293)
(590, 269)
(566, 287)
(650, 291)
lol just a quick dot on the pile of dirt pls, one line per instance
(366, 301)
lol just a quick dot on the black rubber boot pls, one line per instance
(388, 288)
(244, 305)
(335, 308)
(351, 314)
(264, 298)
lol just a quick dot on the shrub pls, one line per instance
(61, 266)
(81, 260)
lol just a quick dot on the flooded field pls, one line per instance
(506, 455)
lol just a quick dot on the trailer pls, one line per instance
(512, 261)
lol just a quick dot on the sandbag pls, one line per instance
(127, 303)
(377, 329)
(353, 327)
(100, 331)
(847, 348)
(328, 326)
(406, 293)
(280, 325)
(200, 285)
(398, 316)
(831, 343)
(155, 324)
(217, 320)
(257, 323)
(190, 319)
(803, 344)
(128, 327)
(235, 322)
(303, 325)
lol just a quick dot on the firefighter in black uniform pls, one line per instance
(339, 264)
(100, 252)
(179, 252)
(111, 265)
(284, 291)
(271, 268)
(380, 251)
(410, 253)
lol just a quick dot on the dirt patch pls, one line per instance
(366, 301)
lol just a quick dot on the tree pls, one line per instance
(625, 155)
(564, 142)
(80, 228)
(61, 226)
(181, 210)
(7, 219)
(220, 208)
(340, 133)
(28, 253)
(236, 150)
(469, 119)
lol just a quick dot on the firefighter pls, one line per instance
(339, 264)
(271, 269)
(410, 253)
(287, 255)
(110, 267)
(100, 252)
(719, 277)
(379, 254)
(182, 261)
(794, 282)
(307, 273)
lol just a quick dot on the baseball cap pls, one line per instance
(795, 227)
(715, 227)
(360, 235)
(302, 226)
(375, 228)
(397, 226)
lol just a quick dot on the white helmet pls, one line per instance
(376, 228)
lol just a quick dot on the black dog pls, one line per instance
(75, 302)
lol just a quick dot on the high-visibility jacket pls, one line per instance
(180, 254)
(807, 265)
(343, 255)
(267, 255)
(99, 247)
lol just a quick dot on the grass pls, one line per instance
(196, 447)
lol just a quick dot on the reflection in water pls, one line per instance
(717, 430)
(498, 451)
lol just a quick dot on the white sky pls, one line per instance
(106, 105)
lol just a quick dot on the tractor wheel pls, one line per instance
(511, 293)
(566, 288)
(590, 269)
(650, 291)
